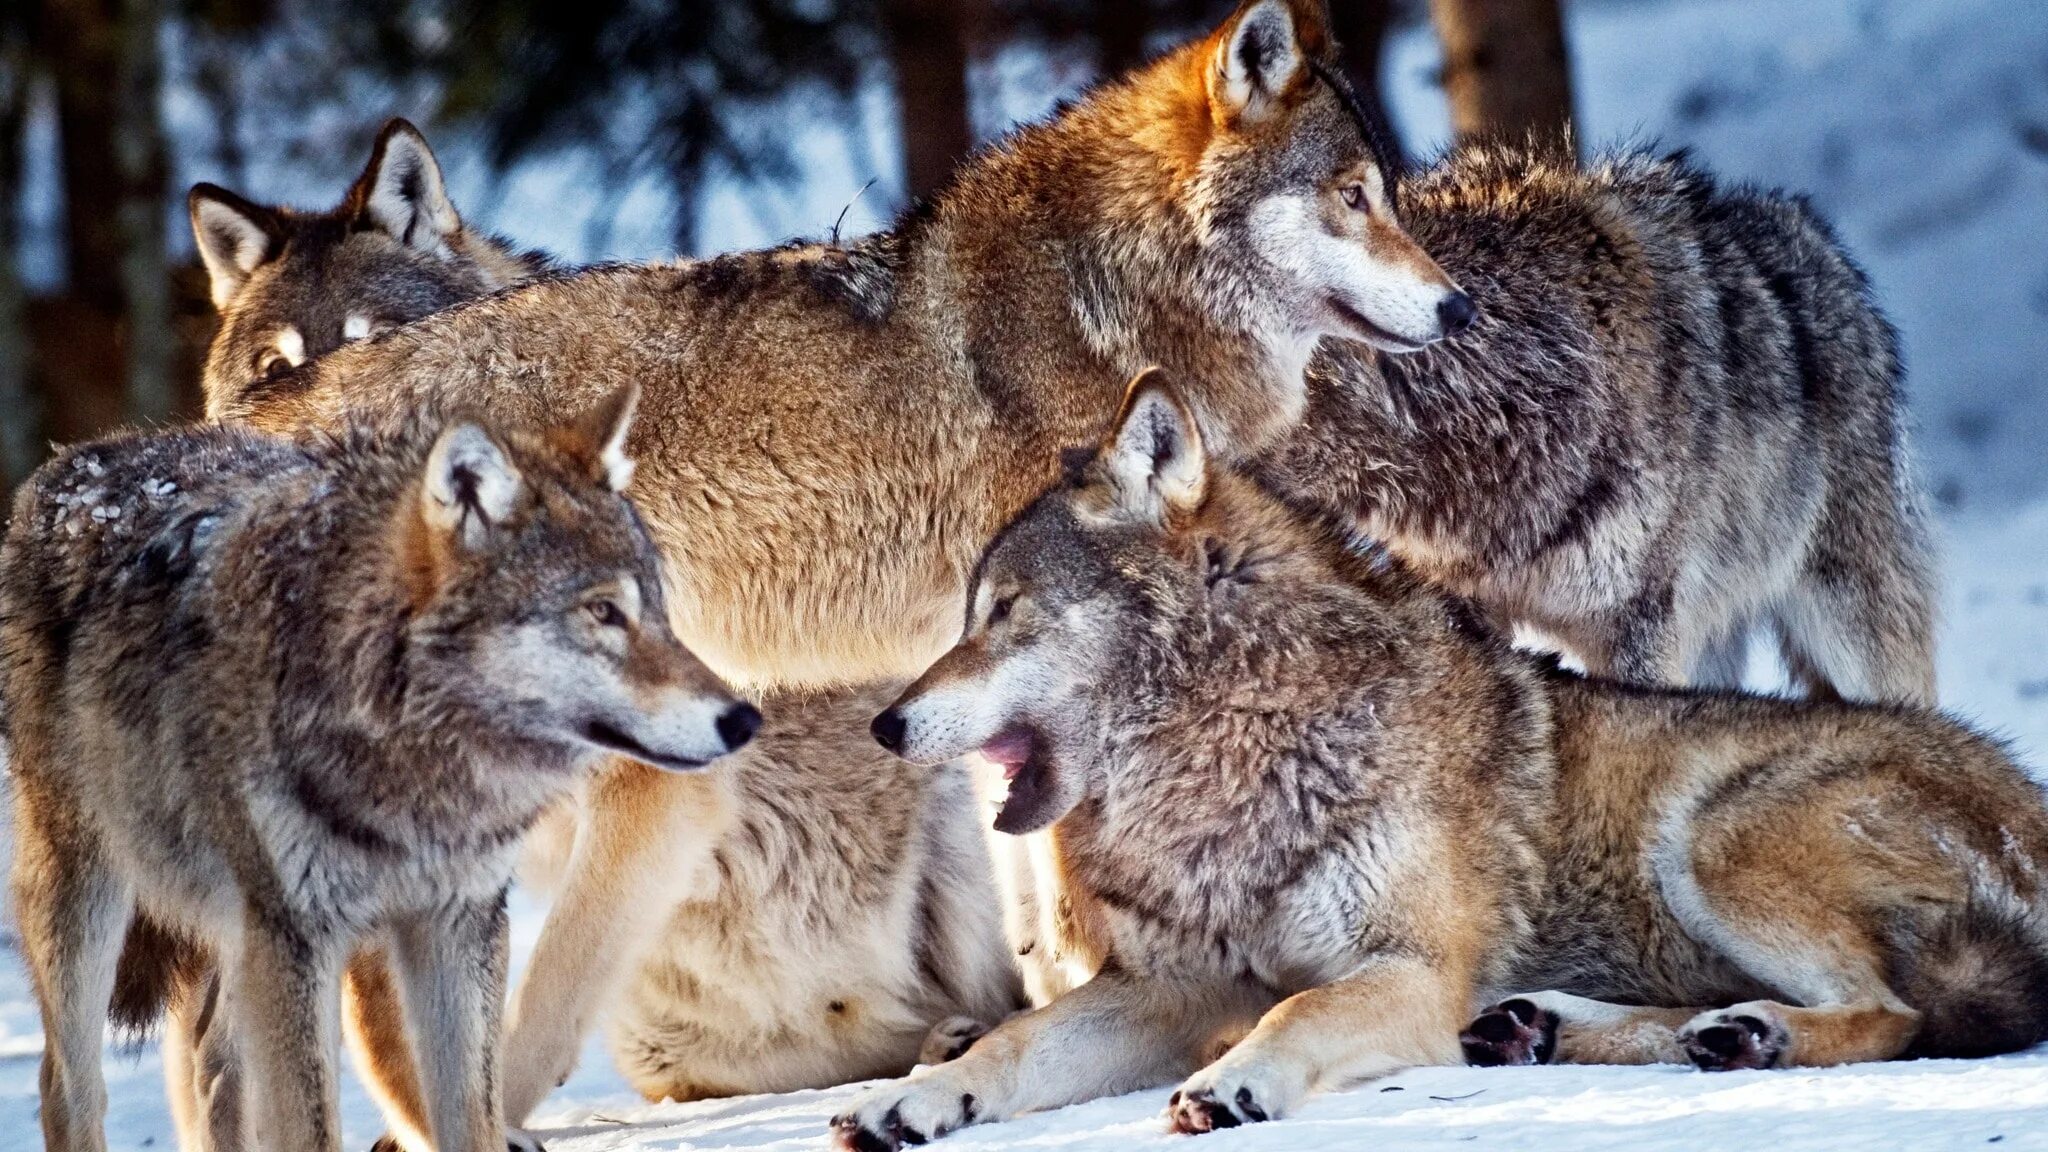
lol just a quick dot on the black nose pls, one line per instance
(738, 725)
(888, 729)
(1456, 313)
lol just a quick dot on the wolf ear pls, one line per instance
(233, 236)
(601, 432)
(402, 194)
(1155, 457)
(471, 485)
(1264, 47)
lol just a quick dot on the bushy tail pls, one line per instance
(1980, 981)
(156, 964)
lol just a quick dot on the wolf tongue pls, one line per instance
(1009, 749)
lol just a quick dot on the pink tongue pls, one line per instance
(1011, 750)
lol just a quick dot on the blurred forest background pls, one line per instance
(656, 128)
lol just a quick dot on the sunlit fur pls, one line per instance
(1321, 815)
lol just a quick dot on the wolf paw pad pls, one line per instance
(1734, 1039)
(1511, 1032)
(1199, 1110)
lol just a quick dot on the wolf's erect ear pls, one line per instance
(233, 235)
(1155, 456)
(1263, 49)
(402, 193)
(601, 433)
(470, 487)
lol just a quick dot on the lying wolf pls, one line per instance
(1313, 812)
(277, 699)
(1678, 421)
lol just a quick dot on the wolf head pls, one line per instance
(537, 601)
(294, 285)
(1093, 593)
(1274, 157)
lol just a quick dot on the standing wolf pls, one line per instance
(277, 698)
(1677, 421)
(292, 285)
(1308, 809)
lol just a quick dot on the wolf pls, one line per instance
(269, 699)
(291, 285)
(1678, 420)
(830, 433)
(1312, 814)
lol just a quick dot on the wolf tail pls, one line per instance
(1980, 981)
(156, 964)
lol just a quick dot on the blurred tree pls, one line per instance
(931, 43)
(1506, 70)
(21, 422)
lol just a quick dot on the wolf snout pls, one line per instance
(1456, 312)
(888, 729)
(737, 725)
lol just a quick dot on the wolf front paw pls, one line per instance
(950, 1039)
(909, 1113)
(1745, 1036)
(520, 1141)
(1238, 1089)
(1511, 1032)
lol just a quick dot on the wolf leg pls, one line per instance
(1860, 635)
(373, 1024)
(1559, 1028)
(1116, 1033)
(287, 994)
(203, 1067)
(452, 965)
(623, 882)
(74, 910)
(1768, 1034)
(1394, 1013)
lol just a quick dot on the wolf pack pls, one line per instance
(1073, 641)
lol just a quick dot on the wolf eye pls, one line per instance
(1000, 610)
(1354, 197)
(272, 366)
(606, 613)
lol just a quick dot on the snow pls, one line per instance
(1921, 128)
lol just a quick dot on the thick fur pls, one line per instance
(830, 434)
(1677, 421)
(1310, 814)
(293, 285)
(280, 698)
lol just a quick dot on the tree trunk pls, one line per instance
(930, 44)
(21, 424)
(103, 55)
(1361, 29)
(1506, 70)
(1120, 31)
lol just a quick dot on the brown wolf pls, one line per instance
(1311, 813)
(294, 285)
(1678, 420)
(279, 698)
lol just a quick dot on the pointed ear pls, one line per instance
(1266, 45)
(602, 430)
(402, 194)
(233, 235)
(1155, 457)
(470, 487)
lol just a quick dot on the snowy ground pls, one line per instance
(1922, 128)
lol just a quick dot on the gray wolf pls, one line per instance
(269, 700)
(831, 433)
(1677, 421)
(1311, 814)
(823, 905)
(292, 285)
